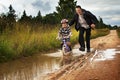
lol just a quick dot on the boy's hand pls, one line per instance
(58, 37)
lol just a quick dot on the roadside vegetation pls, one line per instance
(118, 31)
(25, 41)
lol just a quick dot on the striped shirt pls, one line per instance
(63, 32)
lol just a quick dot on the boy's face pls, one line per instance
(64, 25)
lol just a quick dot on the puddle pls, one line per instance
(76, 52)
(34, 68)
(107, 54)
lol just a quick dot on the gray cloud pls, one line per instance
(3, 6)
(45, 6)
(109, 10)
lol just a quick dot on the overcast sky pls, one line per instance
(109, 10)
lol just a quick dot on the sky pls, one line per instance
(109, 10)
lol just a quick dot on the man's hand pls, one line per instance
(92, 26)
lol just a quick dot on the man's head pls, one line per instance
(78, 10)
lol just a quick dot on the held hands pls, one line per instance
(93, 26)
(59, 38)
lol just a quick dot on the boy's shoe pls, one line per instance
(82, 49)
(70, 48)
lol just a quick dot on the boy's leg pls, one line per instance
(69, 44)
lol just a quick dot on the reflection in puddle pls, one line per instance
(33, 68)
(106, 54)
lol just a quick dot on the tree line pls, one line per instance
(65, 9)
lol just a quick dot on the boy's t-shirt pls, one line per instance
(64, 31)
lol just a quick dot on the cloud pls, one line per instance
(42, 5)
(109, 10)
(2, 6)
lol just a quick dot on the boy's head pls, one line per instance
(64, 22)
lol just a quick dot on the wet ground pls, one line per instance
(105, 66)
(30, 68)
(103, 63)
(34, 67)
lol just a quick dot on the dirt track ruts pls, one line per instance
(83, 69)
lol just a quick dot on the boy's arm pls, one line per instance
(59, 34)
(70, 33)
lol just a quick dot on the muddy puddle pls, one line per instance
(37, 66)
(34, 67)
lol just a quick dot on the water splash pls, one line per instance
(108, 54)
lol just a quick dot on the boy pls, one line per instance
(65, 32)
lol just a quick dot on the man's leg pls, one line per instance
(81, 39)
(88, 34)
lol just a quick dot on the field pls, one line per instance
(25, 41)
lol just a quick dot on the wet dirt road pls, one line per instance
(103, 64)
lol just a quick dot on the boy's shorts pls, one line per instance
(66, 39)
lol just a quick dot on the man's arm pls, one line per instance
(72, 21)
(93, 17)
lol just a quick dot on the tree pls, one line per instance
(66, 8)
(3, 19)
(11, 17)
(38, 18)
(26, 20)
(50, 18)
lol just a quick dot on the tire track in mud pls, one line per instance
(68, 71)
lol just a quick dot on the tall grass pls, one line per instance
(99, 32)
(25, 41)
(118, 31)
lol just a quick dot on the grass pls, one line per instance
(118, 31)
(25, 41)
(99, 32)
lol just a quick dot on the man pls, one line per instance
(84, 21)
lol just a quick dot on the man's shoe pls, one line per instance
(82, 49)
(88, 50)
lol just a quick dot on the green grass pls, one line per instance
(25, 41)
(99, 32)
(118, 31)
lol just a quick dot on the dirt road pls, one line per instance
(103, 64)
